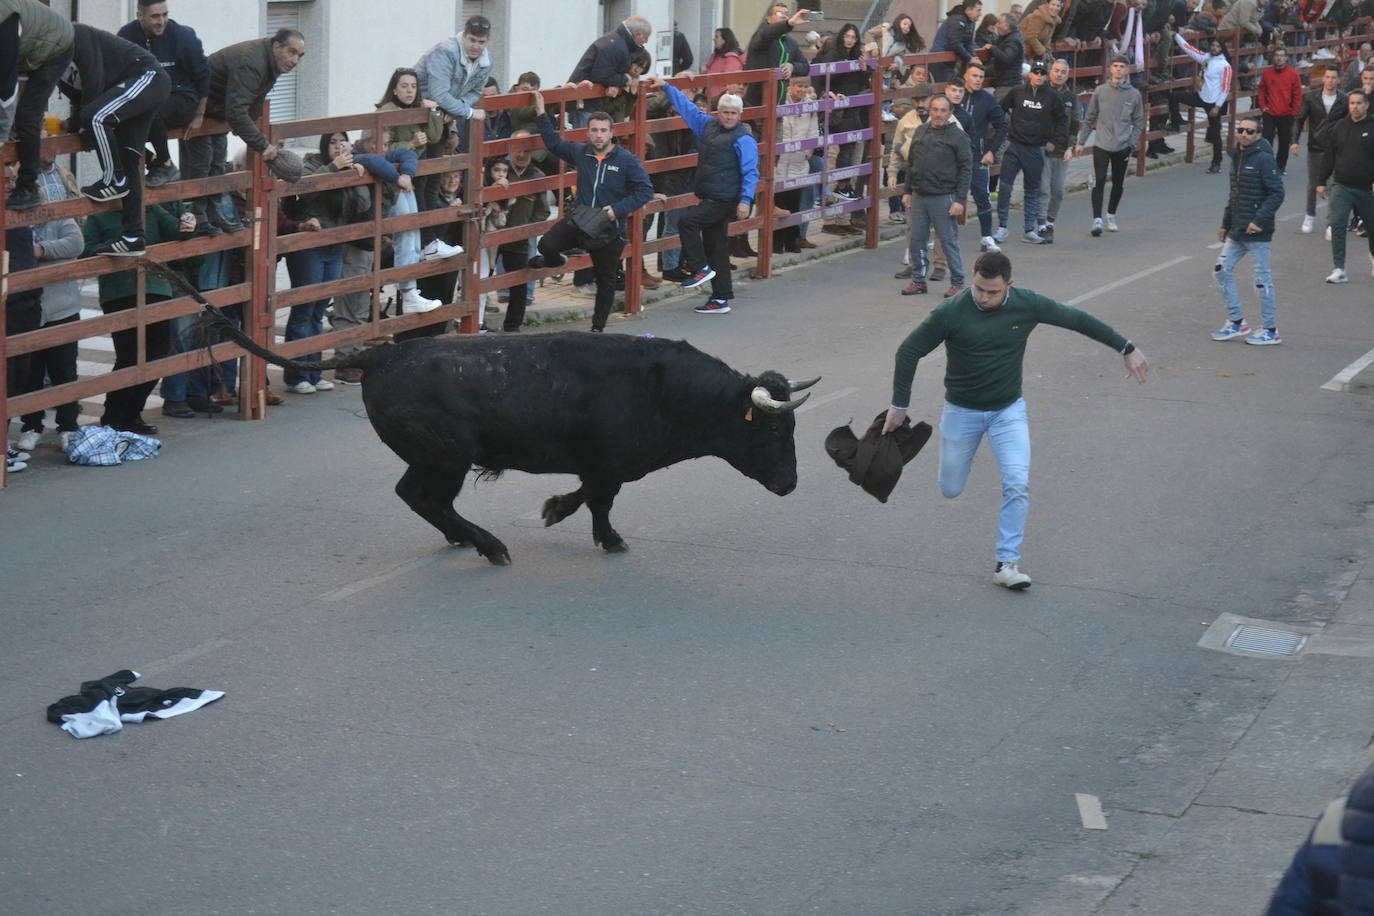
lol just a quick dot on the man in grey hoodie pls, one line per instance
(1117, 112)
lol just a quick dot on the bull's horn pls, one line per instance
(765, 401)
(802, 386)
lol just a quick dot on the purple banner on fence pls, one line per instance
(796, 108)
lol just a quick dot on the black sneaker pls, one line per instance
(903, 274)
(698, 278)
(713, 307)
(675, 275)
(536, 262)
(135, 425)
(205, 229)
(204, 405)
(22, 199)
(123, 247)
(106, 190)
(159, 173)
(178, 409)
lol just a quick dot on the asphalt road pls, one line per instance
(809, 704)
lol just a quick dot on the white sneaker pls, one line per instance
(14, 467)
(64, 441)
(1111, 222)
(301, 387)
(438, 250)
(27, 441)
(1009, 576)
(1337, 276)
(410, 300)
(324, 384)
(1001, 234)
(1308, 224)
(1328, 233)
(1097, 226)
(988, 244)
(889, 116)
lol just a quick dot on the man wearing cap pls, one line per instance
(727, 171)
(1038, 125)
(453, 72)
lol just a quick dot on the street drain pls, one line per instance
(1266, 641)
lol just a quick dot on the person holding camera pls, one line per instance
(772, 48)
(611, 184)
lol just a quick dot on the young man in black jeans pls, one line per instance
(608, 176)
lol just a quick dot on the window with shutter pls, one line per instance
(283, 94)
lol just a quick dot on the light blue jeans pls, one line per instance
(1231, 253)
(407, 243)
(1008, 431)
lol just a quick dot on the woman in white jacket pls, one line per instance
(796, 162)
(1212, 96)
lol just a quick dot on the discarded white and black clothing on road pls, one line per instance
(102, 707)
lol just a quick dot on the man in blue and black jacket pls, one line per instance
(609, 177)
(1247, 227)
(179, 51)
(727, 173)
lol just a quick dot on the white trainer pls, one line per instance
(438, 249)
(988, 244)
(410, 300)
(1337, 276)
(1308, 224)
(324, 384)
(64, 440)
(1328, 233)
(1111, 222)
(27, 441)
(1010, 576)
(301, 387)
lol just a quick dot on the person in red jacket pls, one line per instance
(1280, 96)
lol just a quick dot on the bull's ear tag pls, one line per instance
(749, 414)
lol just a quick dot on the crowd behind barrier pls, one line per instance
(261, 195)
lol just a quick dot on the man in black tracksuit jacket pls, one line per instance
(179, 51)
(116, 91)
(609, 177)
(1349, 162)
(1314, 115)
(1037, 119)
(772, 48)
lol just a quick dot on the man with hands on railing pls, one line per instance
(609, 177)
(727, 173)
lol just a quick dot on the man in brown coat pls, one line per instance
(241, 76)
(1037, 28)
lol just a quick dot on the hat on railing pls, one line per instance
(286, 165)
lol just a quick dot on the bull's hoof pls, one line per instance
(616, 547)
(499, 559)
(550, 512)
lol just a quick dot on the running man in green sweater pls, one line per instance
(984, 330)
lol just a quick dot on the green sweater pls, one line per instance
(985, 348)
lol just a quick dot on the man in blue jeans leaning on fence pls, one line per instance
(727, 173)
(984, 330)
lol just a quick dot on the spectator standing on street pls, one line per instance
(116, 92)
(984, 113)
(1057, 161)
(1212, 95)
(454, 72)
(727, 173)
(609, 177)
(1037, 124)
(984, 330)
(727, 57)
(1247, 227)
(1321, 106)
(35, 43)
(1280, 97)
(241, 76)
(938, 170)
(1348, 163)
(1116, 117)
(179, 51)
(771, 47)
(955, 34)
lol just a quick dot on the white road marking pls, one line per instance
(1090, 812)
(1116, 284)
(1341, 379)
(825, 399)
(362, 585)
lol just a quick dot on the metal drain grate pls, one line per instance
(1266, 641)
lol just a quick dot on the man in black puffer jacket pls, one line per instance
(1247, 227)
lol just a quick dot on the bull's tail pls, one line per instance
(214, 325)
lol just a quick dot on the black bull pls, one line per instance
(608, 408)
